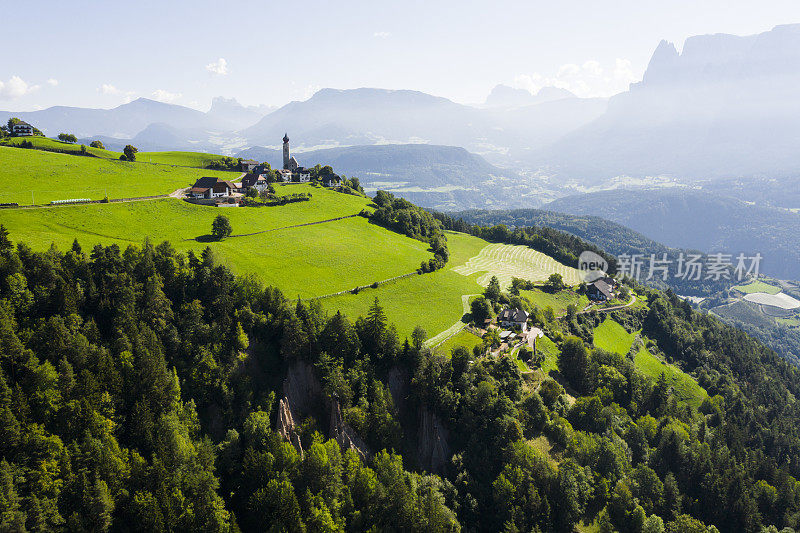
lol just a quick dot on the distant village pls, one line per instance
(258, 176)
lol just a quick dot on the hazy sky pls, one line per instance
(97, 53)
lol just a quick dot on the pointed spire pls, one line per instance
(286, 137)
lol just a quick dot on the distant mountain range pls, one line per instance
(153, 125)
(377, 116)
(725, 106)
(698, 219)
(124, 121)
(505, 96)
(442, 177)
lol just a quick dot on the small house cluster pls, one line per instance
(602, 289)
(256, 176)
(210, 187)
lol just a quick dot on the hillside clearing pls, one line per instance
(557, 301)
(611, 336)
(463, 338)
(780, 300)
(756, 286)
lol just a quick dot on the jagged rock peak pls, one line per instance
(286, 427)
(344, 434)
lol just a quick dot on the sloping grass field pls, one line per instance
(45, 143)
(305, 261)
(611, 336)
(506, 261)
(464, 338)
(28, 176)
(558, 301)
(181, 159)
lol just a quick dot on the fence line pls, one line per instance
(356, 290)
(64, 203)
(290, 227)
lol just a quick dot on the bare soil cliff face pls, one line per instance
(302, 389)
(432, 448)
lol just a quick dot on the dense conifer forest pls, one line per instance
(145, 390)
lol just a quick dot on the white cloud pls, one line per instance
(52, 82)
(107, 88)
(165, 96)
(590, 79)
(14, 88)
(218, 67)
(381, 34)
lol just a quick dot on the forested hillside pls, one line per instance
(139, 389)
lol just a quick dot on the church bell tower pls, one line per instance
(285, 151)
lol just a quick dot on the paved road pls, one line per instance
(604, 309)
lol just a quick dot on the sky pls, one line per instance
(102, 53)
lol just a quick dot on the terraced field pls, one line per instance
(506, 261)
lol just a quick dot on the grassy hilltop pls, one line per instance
(27, 175)
(305, 262)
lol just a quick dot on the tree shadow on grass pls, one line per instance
(207, 238)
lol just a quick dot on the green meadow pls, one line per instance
(551, 353)
(181, 159)
(757, 286)
(463, 338)
(433, 301)
(558, 301)
(306, 261)
(28, 176)
(45, 143)
(611, 336)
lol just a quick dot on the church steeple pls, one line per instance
(286, 151)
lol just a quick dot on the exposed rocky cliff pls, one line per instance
(303, 396)
(397, 381)
(302, 389)
(286, 427)
(433, 452)
(344, 434)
